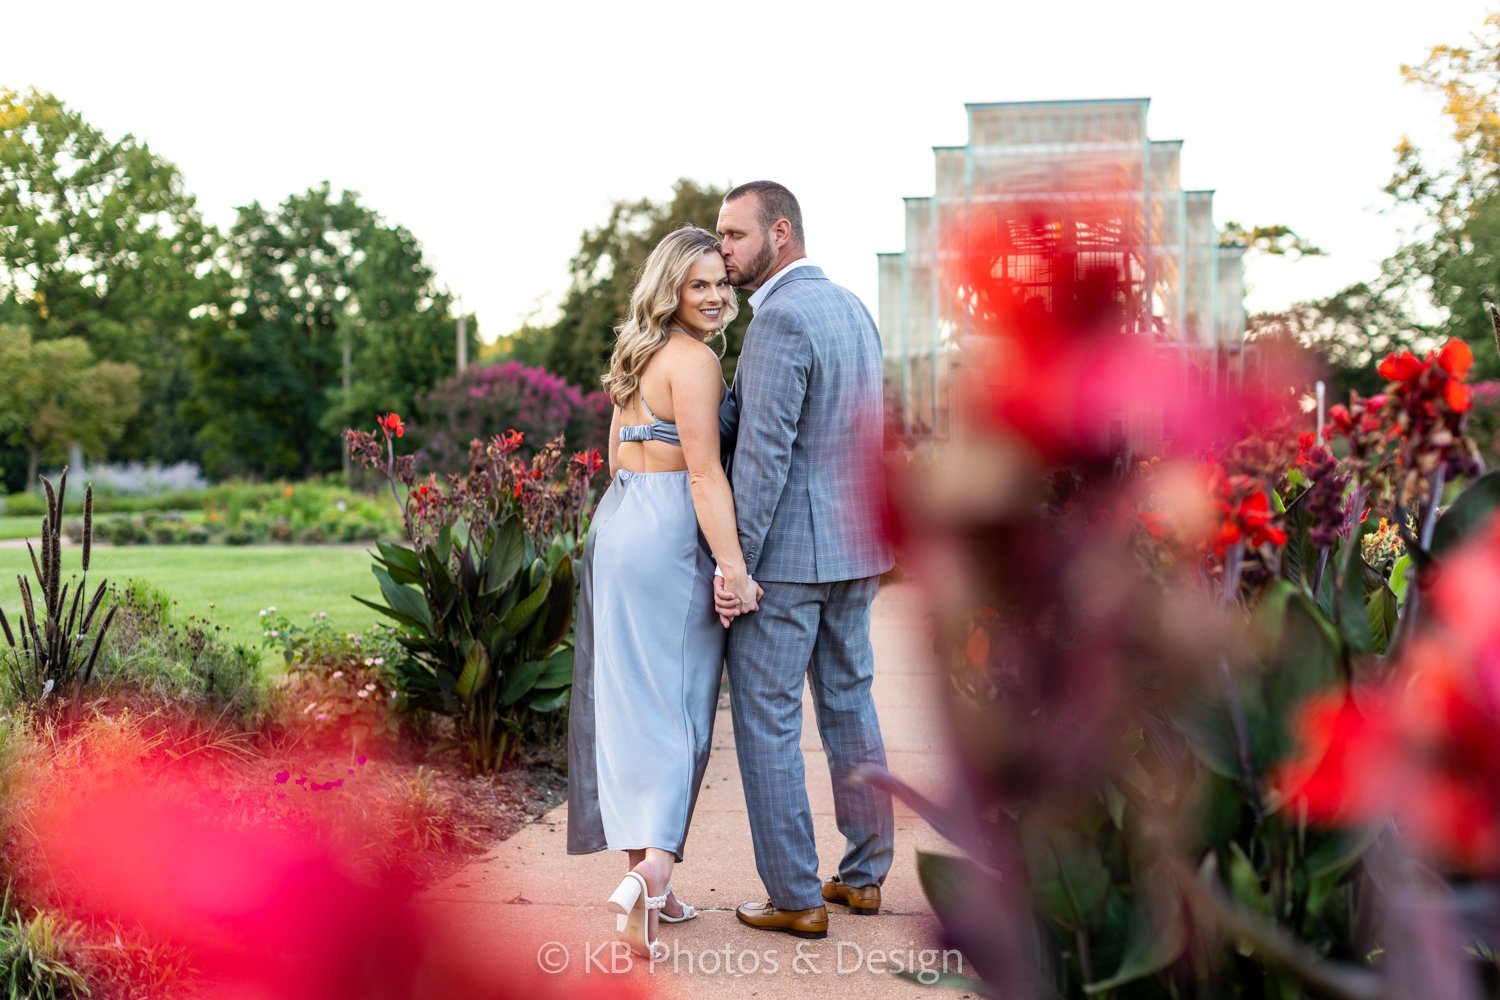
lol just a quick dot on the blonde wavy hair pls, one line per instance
(653, 302)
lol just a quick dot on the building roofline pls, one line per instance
(1144, 101)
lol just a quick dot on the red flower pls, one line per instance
(1458, 395)
(1340, 747)
(978, 648)
(1402, 367)
(391, 424)
(517, 491)
(589, 461)
(1455, 358)
(509, 441)
(1338, 415)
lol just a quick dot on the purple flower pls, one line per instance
(282, 776)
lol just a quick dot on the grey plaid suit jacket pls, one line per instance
(805, 411)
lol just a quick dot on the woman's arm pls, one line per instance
(697, 387)
(614, 442)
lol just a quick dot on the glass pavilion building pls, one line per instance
(1182, 288)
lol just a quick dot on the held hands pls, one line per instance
(735, 598)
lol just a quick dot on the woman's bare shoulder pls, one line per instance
(689, 358)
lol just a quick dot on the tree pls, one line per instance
(578, 345)
(99, 240)
(1455, 257)
(334, 318)
(55, 394)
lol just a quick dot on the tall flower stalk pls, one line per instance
(54, 661)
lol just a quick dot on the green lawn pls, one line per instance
(20, 527)
(229, 585)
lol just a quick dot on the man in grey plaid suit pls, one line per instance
(808, 495)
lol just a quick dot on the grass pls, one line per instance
(20, 527)
(227, 585)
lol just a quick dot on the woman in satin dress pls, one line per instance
(649, 644)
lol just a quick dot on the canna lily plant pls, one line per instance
(1203, 746)
(484, 584)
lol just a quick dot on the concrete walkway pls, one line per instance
(528, 898)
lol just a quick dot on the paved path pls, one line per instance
(530, 899)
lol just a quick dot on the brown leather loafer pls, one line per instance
(811, 923)
(863, 901)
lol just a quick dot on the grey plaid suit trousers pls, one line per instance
(806, 484)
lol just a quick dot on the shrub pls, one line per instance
(339, 686)
(483, 399)
(486, 598)
(40, 956)
(154, 480)
(182, 663)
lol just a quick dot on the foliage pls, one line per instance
(535, 402)
(100, 241)
(323, 289)
(487, 605)
(1205, 744)
(1348, 332)
(339, 685)
(578, 345)
(54, 660)
(188, 663)
(136, 479)
(40, 955)
(1274, 240)
(55, 395)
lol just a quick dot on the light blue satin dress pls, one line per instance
(649, 652)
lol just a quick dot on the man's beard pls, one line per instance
(760, 268)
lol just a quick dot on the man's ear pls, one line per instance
(781, 230)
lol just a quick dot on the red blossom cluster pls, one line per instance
(548, 496)
(1424, 746)
(1244, 512)
(1437, 376)
(391, 425)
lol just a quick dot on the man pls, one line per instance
(807, 494)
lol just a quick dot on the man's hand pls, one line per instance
(730, 606)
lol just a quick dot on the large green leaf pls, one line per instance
(403, 563)
(1472, 510)
(559, 672)
(1401, 576)
(1068, 876)
(1381, 610)
(947, 880)
(1305, 662)
(522, 614)
(439, 582)
(549, 701)
(1354, 620)
(407, 601)
(1244, 882)
(1156, 939)
(506, 555)
(476, 673)
(390, 612)
(520, 679)
(559, 617)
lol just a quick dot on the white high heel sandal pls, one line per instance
(632, 902)
(688, 912)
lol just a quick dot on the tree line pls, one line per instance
(134, 329)
(1435, 286)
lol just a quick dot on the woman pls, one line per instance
(649, 645)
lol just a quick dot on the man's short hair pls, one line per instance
(776, 202)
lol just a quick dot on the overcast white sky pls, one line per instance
(498, 135)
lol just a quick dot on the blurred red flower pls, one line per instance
(391, 425)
